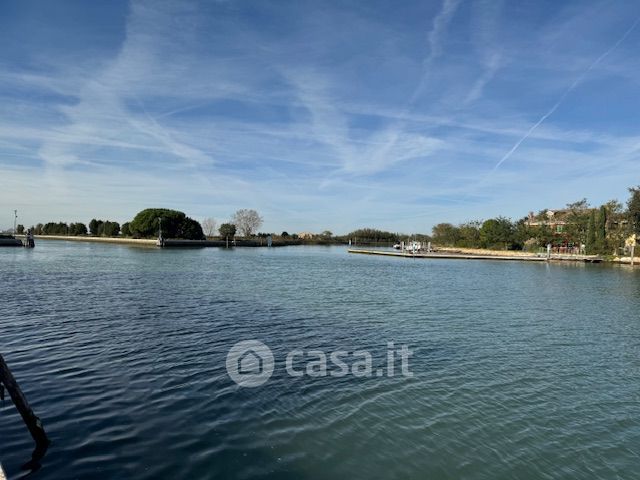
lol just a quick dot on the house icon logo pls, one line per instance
(250, 363)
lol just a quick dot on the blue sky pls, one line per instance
(319, 114)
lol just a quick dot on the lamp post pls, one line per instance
(160, 239)
(15, 220)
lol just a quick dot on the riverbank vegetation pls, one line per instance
(577, 228)
(171, 223)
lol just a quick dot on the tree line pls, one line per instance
(98, 228)
(151, 222)
(598, 230)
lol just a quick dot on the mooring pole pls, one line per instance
(20, 401)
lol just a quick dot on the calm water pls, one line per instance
(521, 371)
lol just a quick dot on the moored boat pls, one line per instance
(9, 241)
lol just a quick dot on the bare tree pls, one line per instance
(209, 226)
(248, 221)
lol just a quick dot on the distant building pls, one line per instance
(306, 235)
(556, 220)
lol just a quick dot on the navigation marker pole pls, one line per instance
(31, 420)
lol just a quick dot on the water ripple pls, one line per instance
(520, 371)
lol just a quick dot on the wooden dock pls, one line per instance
(468, 256)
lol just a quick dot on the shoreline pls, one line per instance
(130, 241)
(438, 253)
(169, 242)
(479, 254)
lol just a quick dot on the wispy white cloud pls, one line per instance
(435, 39)
(298, 112)
(491, 67)
(383, 149)
(564, 95)
(440, 24)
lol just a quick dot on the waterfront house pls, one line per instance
(556, 220)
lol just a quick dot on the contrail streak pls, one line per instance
(567, 92)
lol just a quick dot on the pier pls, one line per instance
(522, 257)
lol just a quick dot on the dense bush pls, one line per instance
(104, 228)
(78, 229)
(373, 235)
(227, 230)
(175, 224)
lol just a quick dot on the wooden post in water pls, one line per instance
(20, 401)
(630, 243)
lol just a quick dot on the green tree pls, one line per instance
(367, 235)
(545, 235)
(601, 231)
(53, 228)
(77, 229)
(125, 230)
(633, 209)
(20, 229)
(227, 231)
(445, 234)
(284, 234)
(497, 232)
(577, 221)
(175, 224)
(617, 226)
(469, 235)
(614, 211)
(94, 226)
(522, 234)
(110, 229)
(590, 241)
(191, 229)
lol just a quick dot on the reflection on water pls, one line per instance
(520, 370)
